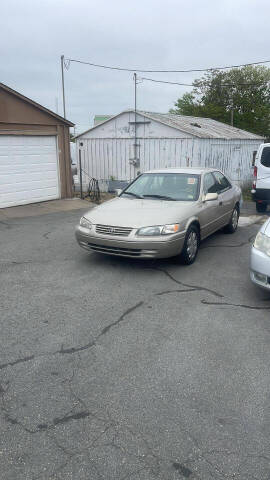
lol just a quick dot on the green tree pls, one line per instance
(245, 91)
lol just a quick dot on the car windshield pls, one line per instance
(165, 186)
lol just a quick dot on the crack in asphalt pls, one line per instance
(193, 287)
(71, 350)
(165, 292)
(75, 349)
(251, 307)
(45, 426)
(14, 421)
(72, 454)
(68, 418)
(202, 455)
(95, 443)
(183, 468)
(189, 288)
(120, 319)
(14, 262)
(15, 362)
(103, 332)
(45, 235)
(234, 245)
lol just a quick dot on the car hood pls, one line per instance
(136, 213)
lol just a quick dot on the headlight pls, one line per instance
(262, 243)
(85, 223)
(158, 230)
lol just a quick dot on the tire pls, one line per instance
(261, 207)
(233, 224)
(191, 246)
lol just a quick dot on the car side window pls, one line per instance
(209, 184)
(265, 158)
(222, 182)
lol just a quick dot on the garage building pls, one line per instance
(34, 151)
(128, 143)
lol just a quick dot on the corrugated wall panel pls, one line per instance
(106, 158)
(103, 158)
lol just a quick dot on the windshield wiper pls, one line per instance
(133, 194)
(162, 197)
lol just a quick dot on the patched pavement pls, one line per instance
(114, 368)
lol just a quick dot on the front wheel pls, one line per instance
(233, 224)
(261, 207)
(191, 245)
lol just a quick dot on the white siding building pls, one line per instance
(162, 141)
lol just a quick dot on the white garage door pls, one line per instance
(28, 169)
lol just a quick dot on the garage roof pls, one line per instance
(197, 126)
(34, 104)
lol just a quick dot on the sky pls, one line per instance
(145, 34)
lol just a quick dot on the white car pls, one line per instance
(261, 183)
(260, 258)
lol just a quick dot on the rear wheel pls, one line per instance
(261, 207)
(191, 245)
(233, 224)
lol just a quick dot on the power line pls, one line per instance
(171, 83)
(195, 85)
(69, 60)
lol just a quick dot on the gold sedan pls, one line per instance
(162, 213)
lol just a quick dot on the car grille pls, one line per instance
(111, 230)
(130, 252)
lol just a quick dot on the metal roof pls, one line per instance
(201, 127)
(197, 126)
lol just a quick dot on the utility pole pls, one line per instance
(63, 85)
(135, 113)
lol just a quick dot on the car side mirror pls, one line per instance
(209, 197)
(118, 191)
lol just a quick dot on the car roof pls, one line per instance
(192, 171)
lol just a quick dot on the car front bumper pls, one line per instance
(260, 268)
(134, 247)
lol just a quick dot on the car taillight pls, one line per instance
(255, 173)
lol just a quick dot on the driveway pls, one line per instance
(121, 369)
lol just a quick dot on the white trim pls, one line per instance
(58, 165)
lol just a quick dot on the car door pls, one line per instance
(210, 213)
(263, 175)
(225, 196)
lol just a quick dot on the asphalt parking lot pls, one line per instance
(120, 369)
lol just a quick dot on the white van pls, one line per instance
(261, 182)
